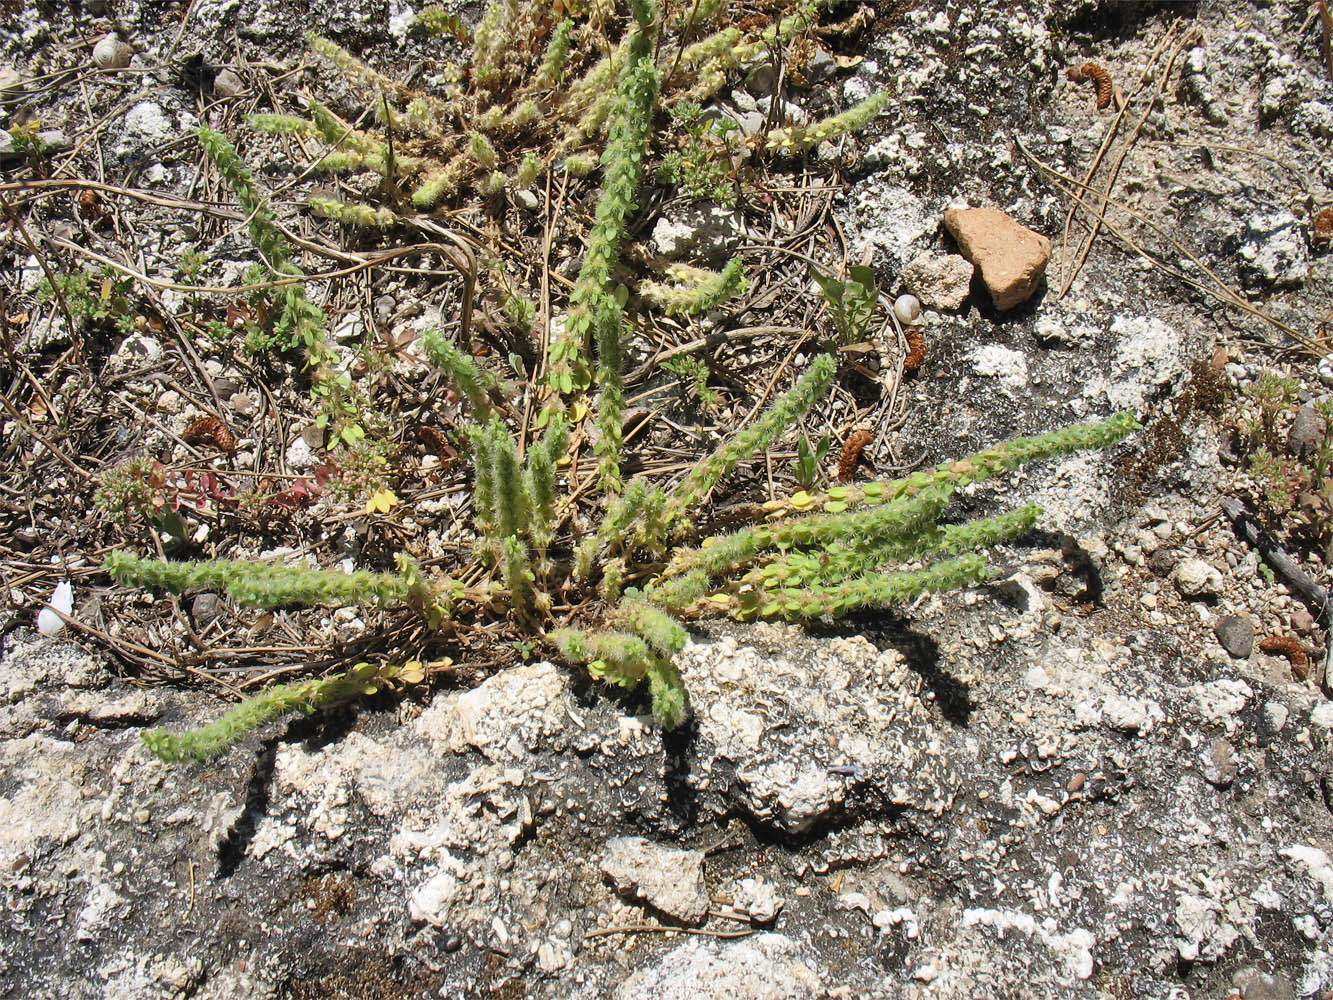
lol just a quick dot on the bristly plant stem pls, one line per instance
(306, 696)
(260, 585)
(808, 390)
(596, 304)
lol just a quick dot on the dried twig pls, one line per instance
(1313, 594)
(661, 929)
(1220, 290)
(1326, 24)
(1176, 45)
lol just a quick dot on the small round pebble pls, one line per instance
(227, 84)
(1163, 561)
(1275, 716)
(1195, 578)
(1236, 636)
(1218, 763)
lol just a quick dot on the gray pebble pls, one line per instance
(227, 84)
(1219, 763)
(206, 609)
(1255, 984)
(1163, 561)
(1272, 252)
(761, 81)
(1307, 433)
(1275, 716)
(1236, 636)
(668, 879)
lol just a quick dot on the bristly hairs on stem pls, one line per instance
(808, 390)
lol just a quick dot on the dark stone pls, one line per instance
(1307, 433)
(1236, 636)
(206, 608)
(761, 80)
(1163, 561)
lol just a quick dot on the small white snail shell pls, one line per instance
(111, 53)
(907, 308)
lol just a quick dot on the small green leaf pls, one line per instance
(862, 275)
(174, 525)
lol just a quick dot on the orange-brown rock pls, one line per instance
(1010, 256)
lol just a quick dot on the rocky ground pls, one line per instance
(1087, 779)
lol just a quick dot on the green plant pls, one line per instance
(693, 374)
(1293, 484)
(190, 272)
(702, 166)
(695, 290)
(1274, 395)
(507, 93)
(796, 138)
(851, 303)
(436, 20)
(343, 407)
(283, 317)
(614, 582)
(812, 556)
(102, 297)
(809, 461)
(27, 143)
(144, 491)
(362, 467)
(360, 681)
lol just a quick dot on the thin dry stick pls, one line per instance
(1122, 109)
(56, 290)
(362, 264)
(464, 263)
(712, 340)
(65, 460)
(1326, 23)
(92, 135)
(40, 188)
(660, 929)
(1222, 292)
(1301, 177)
(1162, 82)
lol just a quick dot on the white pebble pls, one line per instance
(907, 308)
(62, 599)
